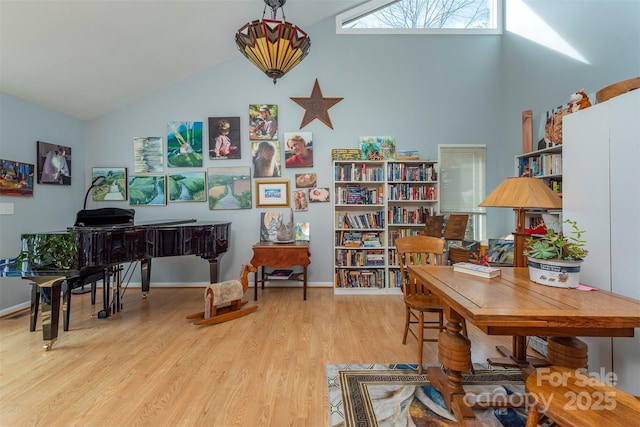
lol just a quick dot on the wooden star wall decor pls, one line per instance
(316, 106)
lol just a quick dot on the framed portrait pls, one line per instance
(306, 180)
(184, 144)
(148, 155)
(113, 187)
(272, 193)
(54, 164)
(229, 188)
(224, 138)
(319, 195)
(263, 122)
(186, 187)
(147, 190)
(265, 156)
(300, 202)
(298, 150)
(16, 178)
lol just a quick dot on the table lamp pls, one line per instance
(521, 194)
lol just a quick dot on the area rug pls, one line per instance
(395, 395)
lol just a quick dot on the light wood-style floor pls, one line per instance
(149, 366)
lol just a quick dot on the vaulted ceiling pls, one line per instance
(85, 58)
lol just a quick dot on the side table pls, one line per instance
(280, 255)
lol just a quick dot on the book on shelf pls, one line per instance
(280, 274)
(476, 270)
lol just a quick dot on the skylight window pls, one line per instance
(422, 17)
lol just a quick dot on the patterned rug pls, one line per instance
(395, 395)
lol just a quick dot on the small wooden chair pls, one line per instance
(420, 250)
(223, 300)
(573, 399)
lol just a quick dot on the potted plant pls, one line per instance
(554, 259)
(51, 251)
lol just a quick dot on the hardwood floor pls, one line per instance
(149, 366)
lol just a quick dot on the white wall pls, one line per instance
(52, 207)
(424, 90)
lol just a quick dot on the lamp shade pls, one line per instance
(273, 46)
(522, 193)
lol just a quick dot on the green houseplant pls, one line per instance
(554, 259)
(51, 251)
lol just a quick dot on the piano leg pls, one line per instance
(145, 272)
(106, 293)
(35, 305)
(213, 270)
(50, 290)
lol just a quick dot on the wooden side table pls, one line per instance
(280, 255)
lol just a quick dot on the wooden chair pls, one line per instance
(223, 300)
(454, 231)
(433, 225)
(420, 250)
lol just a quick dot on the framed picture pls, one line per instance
(272, 193)
(300, 202)
(16, 178)
(265, 156)
(224, 138)
(148, 156)
(378, 147)
(305, 180)
(229, 188)
(186, 187)
(54, 164)
(319, 195)
(114, 186)
(184, 144)
(147, 190)
(263, 122)
(298, 150)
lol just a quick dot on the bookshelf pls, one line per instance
(374, 203)
(544, 164)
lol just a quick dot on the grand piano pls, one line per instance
(105, 239)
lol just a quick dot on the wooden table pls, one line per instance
(280, 255)
(513, 305)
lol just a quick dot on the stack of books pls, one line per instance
(279, 274)
(476, 270)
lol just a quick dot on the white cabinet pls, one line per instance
(601, 183)
(375, 202)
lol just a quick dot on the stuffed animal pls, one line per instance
(579, 101)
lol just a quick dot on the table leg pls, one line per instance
(304, 284)
(255, 284)
(454, 352)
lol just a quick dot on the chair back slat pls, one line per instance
(417, 250)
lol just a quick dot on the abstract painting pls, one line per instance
(148, 156)
(184, 144)
(16, 178)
